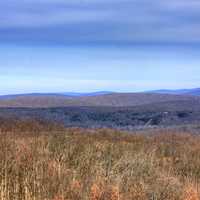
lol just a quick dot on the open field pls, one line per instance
(40, 161)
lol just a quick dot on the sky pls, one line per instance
(98, 45)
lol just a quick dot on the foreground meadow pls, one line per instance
(44, 162)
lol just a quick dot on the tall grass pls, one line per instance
(73, 164)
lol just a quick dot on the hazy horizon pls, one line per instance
(97, 91)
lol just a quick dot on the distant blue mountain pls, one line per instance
(77, 94)
(194, 92)
(67, 94)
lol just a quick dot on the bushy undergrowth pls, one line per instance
(78, 164)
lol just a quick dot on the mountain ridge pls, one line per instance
(67, 94)
(113, 100)
(194, 91)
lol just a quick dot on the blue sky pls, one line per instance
(90, 45)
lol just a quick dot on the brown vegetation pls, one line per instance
(102, 164)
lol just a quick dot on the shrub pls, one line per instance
(100, 164)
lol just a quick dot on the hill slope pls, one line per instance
(113, 100)
(194, 92)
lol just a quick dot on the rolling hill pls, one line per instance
(194, 92)
(112, 100)
(116, 110)
(66, 94)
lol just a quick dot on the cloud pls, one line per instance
(100, 21)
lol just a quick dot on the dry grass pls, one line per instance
(74, 164)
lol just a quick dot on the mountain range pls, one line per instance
(112, 100)
(103, 98)
(106, 109)
(194, 92)
(67, 94)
